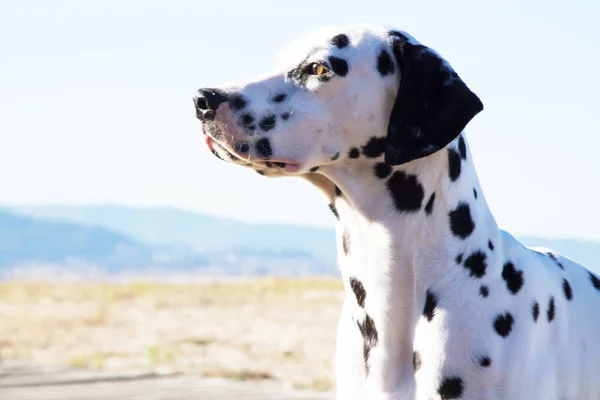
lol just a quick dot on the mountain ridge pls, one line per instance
(169, 225)
(157, 233)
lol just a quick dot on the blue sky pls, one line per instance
(95, 102)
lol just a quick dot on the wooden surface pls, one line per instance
(20, 381)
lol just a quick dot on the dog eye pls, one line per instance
(316, 68)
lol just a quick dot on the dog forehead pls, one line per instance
(363, 36)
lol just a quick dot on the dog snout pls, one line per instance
(207, 101)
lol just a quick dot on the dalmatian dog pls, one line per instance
(439, 303)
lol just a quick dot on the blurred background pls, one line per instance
(127, 248)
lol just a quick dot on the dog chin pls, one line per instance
(266, 168)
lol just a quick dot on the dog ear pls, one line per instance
(433, 104)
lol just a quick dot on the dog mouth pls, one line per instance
(226, 153)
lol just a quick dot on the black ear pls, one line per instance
(432, 107)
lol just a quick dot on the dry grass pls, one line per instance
(255, 329)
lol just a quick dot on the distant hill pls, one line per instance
(134, 239)
(26, 239)
(203, 233)
(34, 243)
(30, 240)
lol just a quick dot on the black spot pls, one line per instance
(476, 264)
(334, 210)
(555, 259)
(567, 290)
(416, 360)
(263, 148)
(475, 193)
(429, 205)
(247, 119)
(459, 259)
(346, 242)
(462, 147)
(406, 191)
(385, 65)
(354, 153)
(535, 310)
(340, 41)
(260, 172)
(485, 361)
(430, 305)
(551, 309)
(461, 223)
(335, 156)
(370, 338)
(338, 191)
(268, 123)
(382, 170)
(484, 291)
(241, 147)
(451, 388)
(490, 245)
(503, 324)
(237, 103)
(595, 281)
(374, 147)
(280, 97)
(314, 169)
(338, 65)
(512, 277)
(251, 127)
(285, 116)
(453, 164)
(269, 164)
(366, 353)
(359, 291)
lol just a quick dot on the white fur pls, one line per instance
(398, 257)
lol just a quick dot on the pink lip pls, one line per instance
(209, 143)
(288, 165)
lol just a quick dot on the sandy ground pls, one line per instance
(254, 329)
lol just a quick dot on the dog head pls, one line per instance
(339, 94)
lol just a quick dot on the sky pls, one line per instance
(96, 102)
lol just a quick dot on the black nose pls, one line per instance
(207, 101)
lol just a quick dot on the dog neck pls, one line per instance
(398, 231)
(417, 211)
